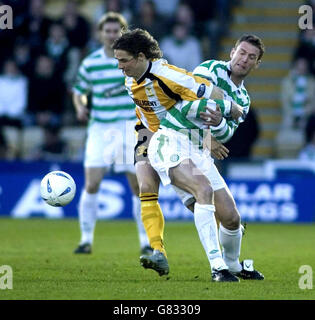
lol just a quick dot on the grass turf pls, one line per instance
(44, 267)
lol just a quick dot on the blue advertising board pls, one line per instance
(285, 199)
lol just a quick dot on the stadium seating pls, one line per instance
(32, 138)
(75, 139)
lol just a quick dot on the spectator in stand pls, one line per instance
(57, 47)
(297, 99)
(13, 95)
(46, 94)
(165, 8)
(35, 26)
(66, 58)
(120, 6)
(150, 20)
(76, 26)
(212, 23)
(8, 36)
(205, 11)
(185, 15)
(22, 56)
(306, 48)
(181, 41)
(297, 96)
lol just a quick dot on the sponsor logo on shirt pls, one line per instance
(201, 90)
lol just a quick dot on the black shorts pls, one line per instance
(143, 139)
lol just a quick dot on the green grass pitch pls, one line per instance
(44, 267)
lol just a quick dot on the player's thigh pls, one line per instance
(148, 179)
(188, 177)
(133, 183)
(225, 208)
(93, 178)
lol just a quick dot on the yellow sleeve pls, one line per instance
(185, 84)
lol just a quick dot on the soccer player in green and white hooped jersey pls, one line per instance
(219, 73)
(229, 76)
(106, 144)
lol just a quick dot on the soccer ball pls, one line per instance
(57, 188)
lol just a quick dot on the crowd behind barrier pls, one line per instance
(40, 56)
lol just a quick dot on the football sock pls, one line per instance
(136, 211)
(153, 220)
(207, 229)
(231, 246)
(87, 216)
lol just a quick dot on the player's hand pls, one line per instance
(212, 117)
(237, 113)
(82, 113)
(218, 150)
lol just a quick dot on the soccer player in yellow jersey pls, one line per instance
(155, 86)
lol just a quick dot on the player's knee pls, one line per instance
(91, 187)
(147, 187)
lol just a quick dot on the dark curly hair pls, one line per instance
(136, 41)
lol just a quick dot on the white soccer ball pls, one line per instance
(57, 188)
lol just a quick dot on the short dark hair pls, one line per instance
(254, 40)
(113, 17)
(136, 41)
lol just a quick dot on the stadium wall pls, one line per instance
(287, 198)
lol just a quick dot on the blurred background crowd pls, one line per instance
(39, 59)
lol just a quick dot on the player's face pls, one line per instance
(130, 65)
(244, 58)
(110, 32)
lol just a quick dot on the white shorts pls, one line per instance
(110, 146)
(168, 148)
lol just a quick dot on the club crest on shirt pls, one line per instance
(149, 92)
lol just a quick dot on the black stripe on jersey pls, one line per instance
(165, 88)
(145, 75)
